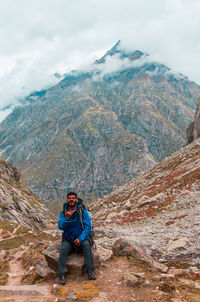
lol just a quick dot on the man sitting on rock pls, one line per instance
(76, 228)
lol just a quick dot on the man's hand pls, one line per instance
(77, 242)
(68, 214)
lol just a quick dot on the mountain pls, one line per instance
(99, 127)
(18, 204)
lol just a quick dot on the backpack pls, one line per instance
(80, 208)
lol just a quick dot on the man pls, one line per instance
(76, 227)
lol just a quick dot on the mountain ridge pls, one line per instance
(88, 132)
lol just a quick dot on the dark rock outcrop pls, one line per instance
(193, 131)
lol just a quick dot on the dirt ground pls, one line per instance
(118, 280)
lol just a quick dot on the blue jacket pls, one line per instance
(72, 228)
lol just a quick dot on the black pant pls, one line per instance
(66, 248)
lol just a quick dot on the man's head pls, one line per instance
(72, 199)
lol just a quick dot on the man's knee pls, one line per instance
(65, 247)
(85, 245)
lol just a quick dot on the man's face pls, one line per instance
(72, 200)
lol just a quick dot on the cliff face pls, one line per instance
(17, 202)
(160, 210)
(193, 131)
(96, 130)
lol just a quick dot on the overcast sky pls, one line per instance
(41, 37)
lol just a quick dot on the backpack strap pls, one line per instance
(65, 206)
(80, 212)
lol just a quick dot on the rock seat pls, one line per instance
(75, 260)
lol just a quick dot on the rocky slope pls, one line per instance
(99, 128)
(18, 204)
(24, 275)
(193, 131)
(159, 210)
(130, 275)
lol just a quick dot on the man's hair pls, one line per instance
(71, 193)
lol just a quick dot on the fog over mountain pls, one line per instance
(63, 38)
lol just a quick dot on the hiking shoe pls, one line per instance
(91, 276)
(83, 270)
(62, 280)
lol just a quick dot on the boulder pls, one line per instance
(178, 244)
(74, 261)
(190, 283)
(177, 272)
(130, 279)
(42, 270)
(103, 254)
(167, 287)
(124, 248)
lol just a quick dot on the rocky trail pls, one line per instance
(15, 290)
(120, 279)
(25, 293)
(16, 271)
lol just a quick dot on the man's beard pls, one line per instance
(72, 204)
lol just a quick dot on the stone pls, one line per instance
(190, 283)
(194, 270)
(132, 299)
(74, 261)
(71, 297)
(176, 272)
(146, 284)
(140, 276)
(55, 287)
(128, 205)
(103, 254)
(143, 201)
(42, 269)
(168, 276)
(177, 244)
(122, 247)
(103, 295)
(159, 292)
(110, 216)
(156, 278)
(131, 280)
(166, 287)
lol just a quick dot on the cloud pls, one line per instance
(40, 38)
(114, 64)
(5, 112)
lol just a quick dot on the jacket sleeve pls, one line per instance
(63, 223)
(87, 226)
